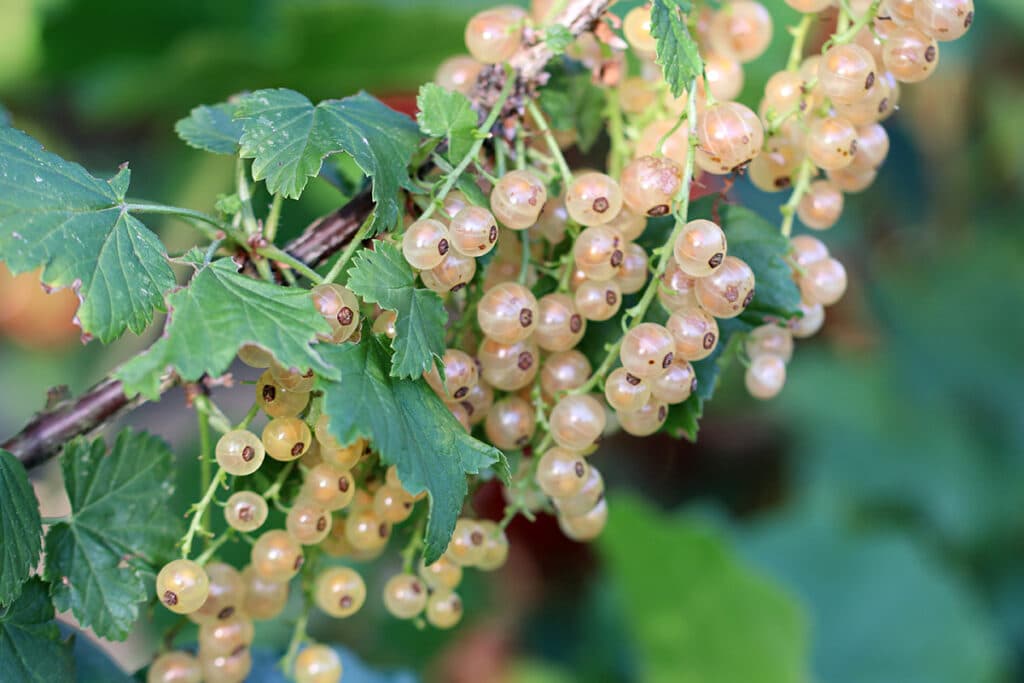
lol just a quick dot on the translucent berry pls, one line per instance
(458, 73)
(245, 511)
(695, 332)
(340, 591)
(460, 375)
(851, 180)
(823, 282)
(405, 596)
(495, 551)
(675, 383)
(507, 313)
(649, 184)
(633, 273)
(666, 138)
(286, 438)
(560, 326)
(226, 593)
(511, 423)
(473, 231)
(624, 391)
(770, 340)
(944, 19)
(393, 503)
(772, 169)
(645, 421)
(467, 545)
(175, 667)
(443, 575)
(329, 487)
(563, 371)
(598, 300)
(240, 452)
(728, 291)
(307, 522)
(910, 55)
(831, 142)
(729, 135)
(700, 248)
(647, 349)
(425, 244)
(587, 526)
(318, 664)
(263, 599)
(723, 76)
(765, 376)
(454, 273)
(598, 252)
(182, 586)
(821, 207)
(255, 357)
(676, 291)
(807, 250)
(478, 402)
(366, 530)
(783, 94)
(810, 322)
(340, 308)
(872, 147)
(576, 421)
(230, 668)
(593, 199)
(551, 224)
(509, 366)
(561, 473)
(517, 199)
(494, 35)
(742, 29)
(224, 636)
(585, 499)
(636, 27)
(276, 401)
(276, 556)
(846, 73)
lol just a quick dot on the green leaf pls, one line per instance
(677, 51)
(288, 138)
(211, 128)
(558, 38)
(220, 311)
(31, 650)
(921, 623)
(707, 616)
(571, 101)
(55, 215)
(100, 561)
(411, 428)
(447, 114)
(383, 276)
(20, 527)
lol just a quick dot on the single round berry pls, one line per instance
(823, 282)
(773, 168)
(276, 401)
(509, 367)
(222, 637)
(598, 300)
(552, 222)
(286, 438)
(276, 556)
(226, 593)
(495, 552)
(598, 252)
(255, 357)
(466, 547)
(339, 306)
(245, 511)
(458, 74)
(944, 19)
(454, 273)
(230, 668)
(494, 35)
(444, 609)
(507, 313)
(240, 452)
(810, 322)
(308, 522)
(443, 575)
(872, 147)
(517, 199)
(425, 244)
(175, 667)
(473, 231)
(182, 586)
(846, 72)
(263, 599)
(367, 531)
(585, 499)
(649, 185)
(666, 138)
(645, 421)
(700, 248)
(677, 290)
(783, 94)
(632, 275)
(318, 664)
(587, 526)
(560, 326)
(563, 371)
(729, 136)
(393, 503)
(576, 421)
(723, 76)
(636, 27)
(765, 376)
(831, 142)
(770, 340)
(807, 250)
(695, 332)
(728, 291)
(821, 207)
(405, 596)
(624, 391)
(478, 402)
(511, 423)
(742, 28)
(340, 591)
(328, 486)
(646, 350)
(675, 383)
(593, 199)
(910, 54)
(561, 473)
(460, 375)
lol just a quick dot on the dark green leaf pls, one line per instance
(707, 616)
(220, 311)
(382, 276)
(55, 215)
(211, 128)
(287, 138)
(31, 649)
(677, 50)
(447, 114)
(411, 428)
(100, 561)
(571, 101)
(21, 529)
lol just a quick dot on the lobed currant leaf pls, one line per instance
(384, 277)
(705, 595)
(411, 428)
(101, 560)
(54, 214)
(447, 114)
(677, 51)
(287, 137)
(219, 312)
(211, 128)
(20, 528)
(31, 648)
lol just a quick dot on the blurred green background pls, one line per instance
(866, 527)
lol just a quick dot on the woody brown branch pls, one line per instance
(43, 437)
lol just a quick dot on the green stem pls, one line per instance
(663, 253)
(524, 265)
(549, 138)
(202, 221)
(245, 197)
(273, 218)
(298, 635)
(214, 547)
(199, 512)
(847, 31)
(411, 548)
(613, 109)
(483, 133)
(799, 33)
(804, 175)
(202, 405)
(275, 254)
(357, 240)
(249, 417)
(273, 493)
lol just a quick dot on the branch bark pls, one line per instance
(43, 437)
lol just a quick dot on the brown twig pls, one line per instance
(44, 436)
